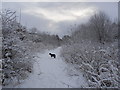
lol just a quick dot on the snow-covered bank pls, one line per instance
(53, 73)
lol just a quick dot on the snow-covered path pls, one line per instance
(52, 73)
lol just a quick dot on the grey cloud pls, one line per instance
(43, 15)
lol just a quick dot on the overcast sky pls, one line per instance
(59, 18)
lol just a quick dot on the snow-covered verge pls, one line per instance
(93, 48)
(53, 73)
(16, 55)
(98, 62)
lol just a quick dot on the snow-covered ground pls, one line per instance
(53, 73)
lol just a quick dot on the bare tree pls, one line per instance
(99, 22)
(8, 16)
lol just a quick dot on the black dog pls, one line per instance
(52, 55)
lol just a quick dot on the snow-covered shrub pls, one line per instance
(16, 57)
(98, 62)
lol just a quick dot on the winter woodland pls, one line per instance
(86, 58)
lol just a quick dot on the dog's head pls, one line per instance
(49, 53)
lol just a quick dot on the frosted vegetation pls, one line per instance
(18, 48)
(92, 49)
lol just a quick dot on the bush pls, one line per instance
(16, 60)
(98, 62)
